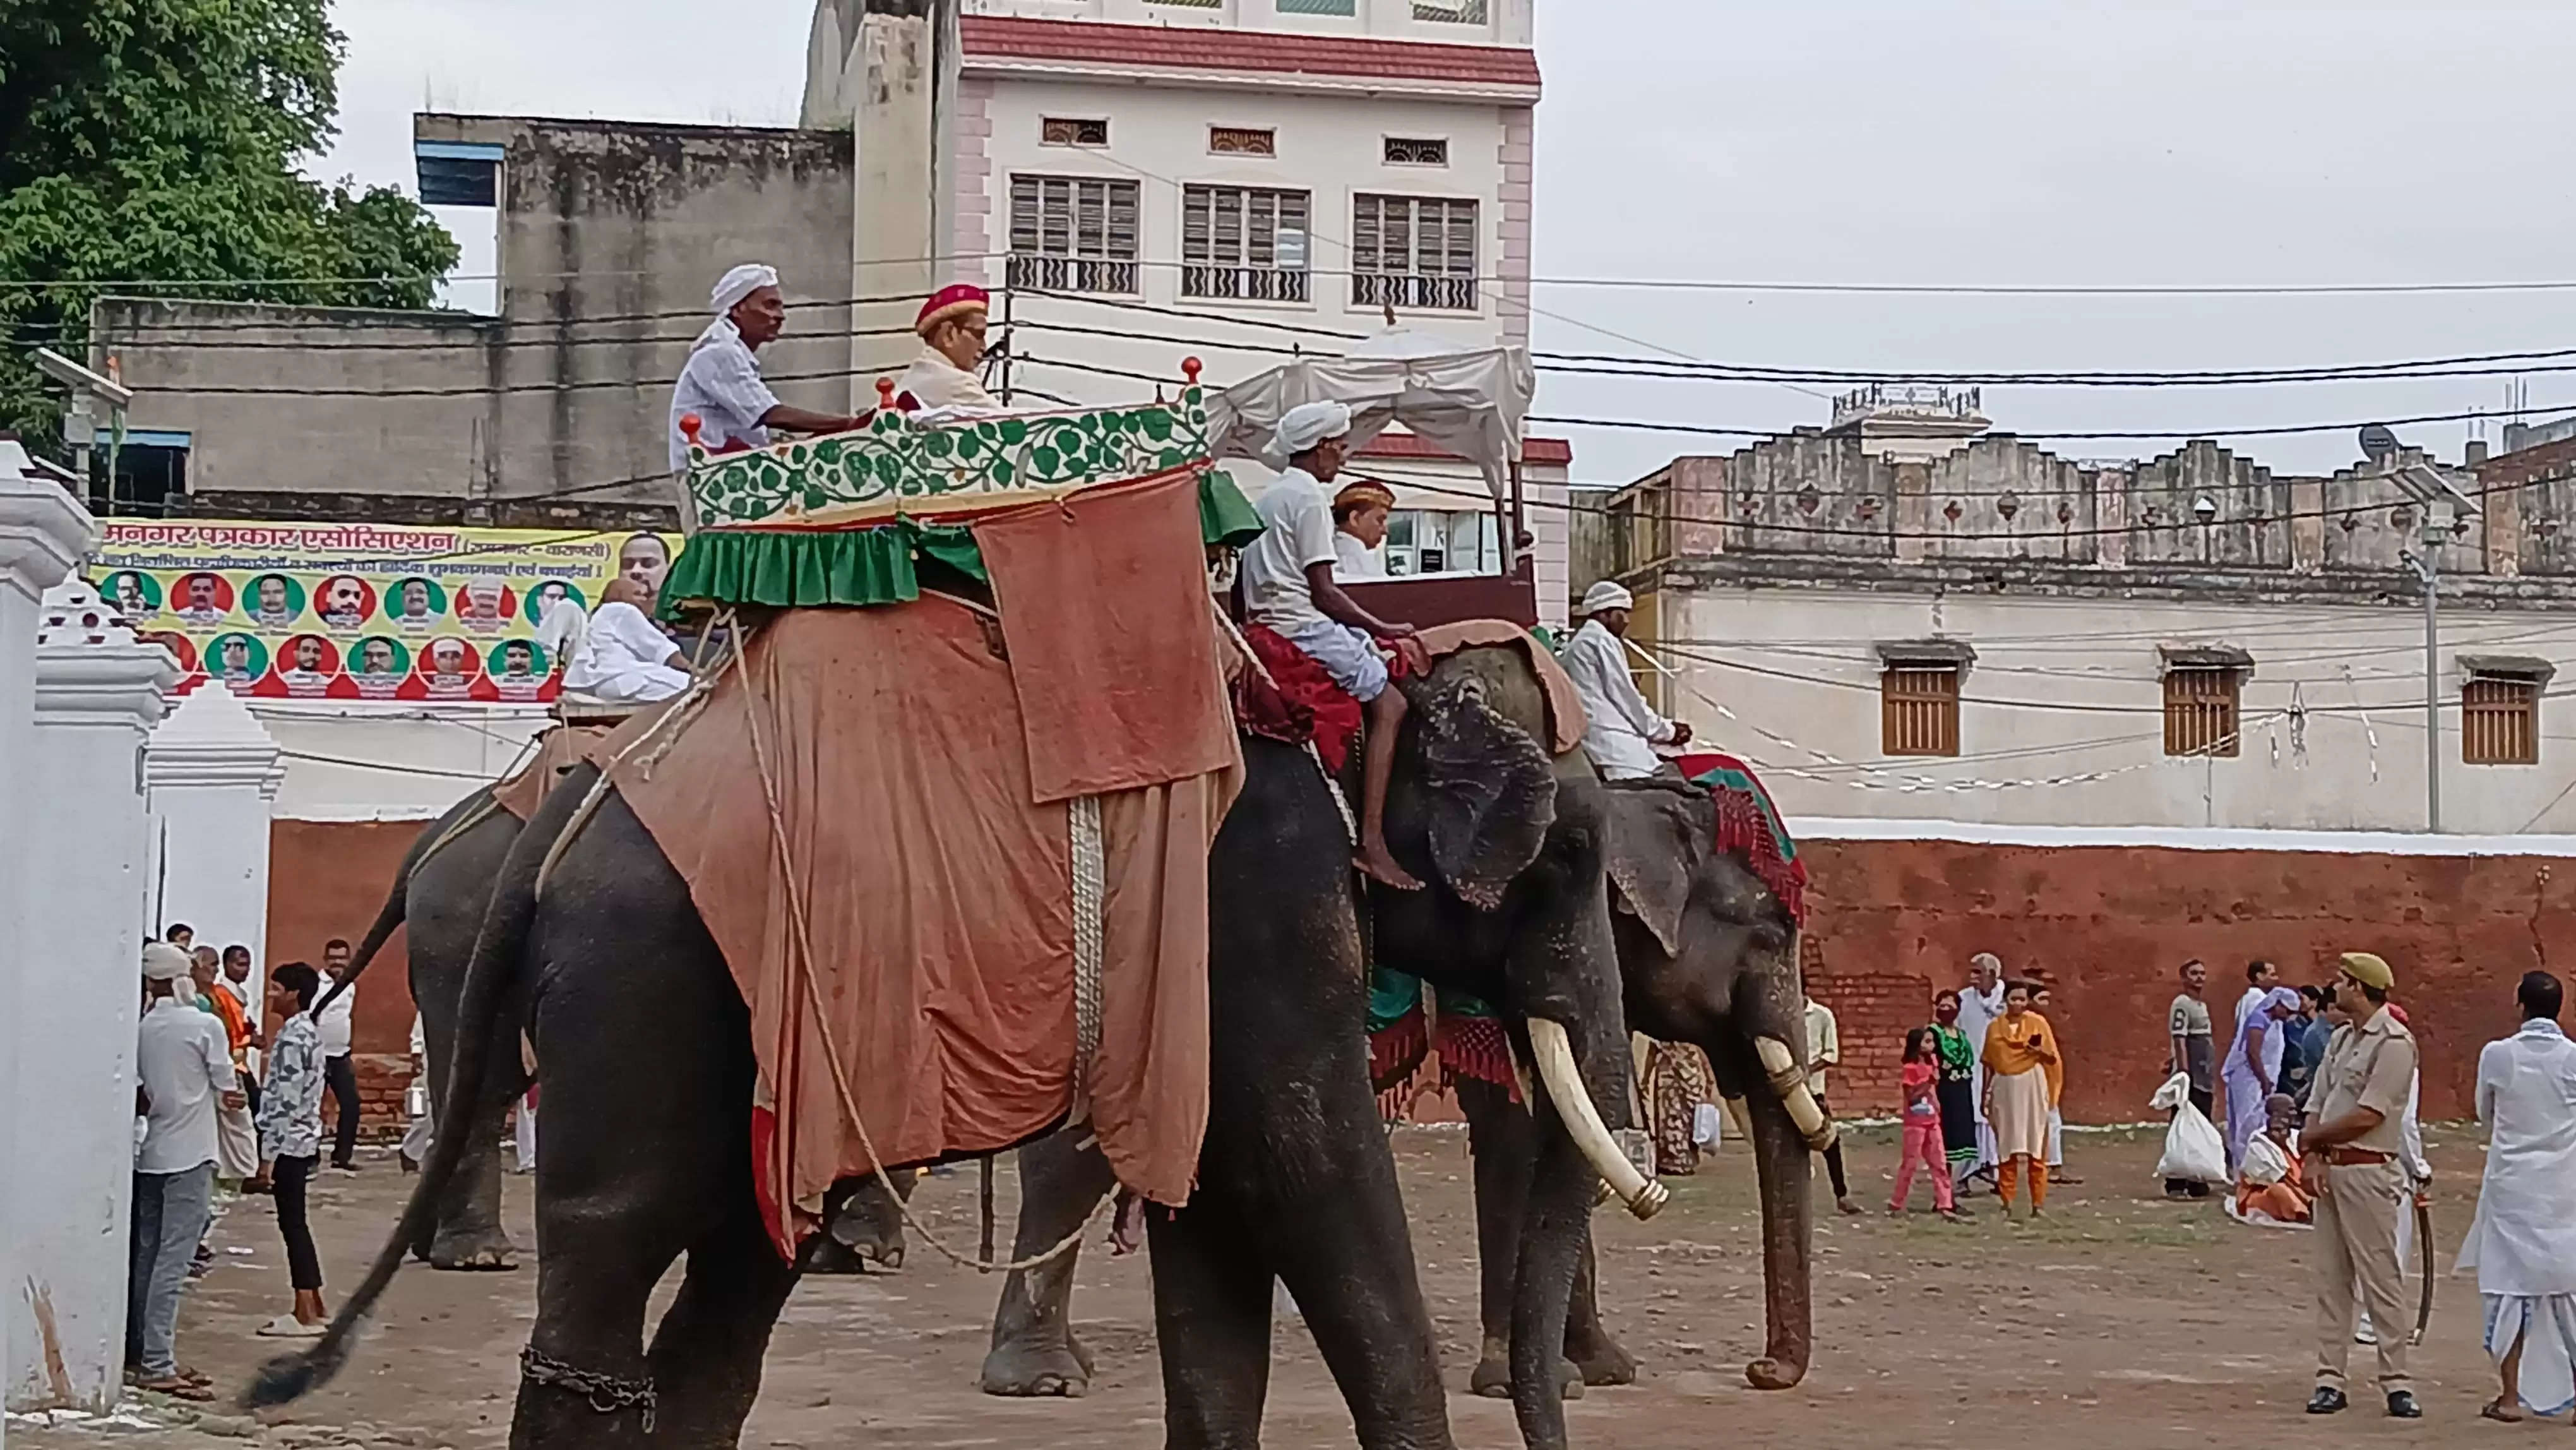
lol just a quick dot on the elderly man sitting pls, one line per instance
(1289, 588)
(2269, 1188)
(721, 382)
(1621, 730)
(943, 378)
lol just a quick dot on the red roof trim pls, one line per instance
(1536, 452)
(1272, 52)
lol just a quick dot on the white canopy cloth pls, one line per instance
(1473, 402)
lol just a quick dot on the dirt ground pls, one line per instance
(2123, 1319)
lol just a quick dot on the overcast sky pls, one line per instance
(2060, 142)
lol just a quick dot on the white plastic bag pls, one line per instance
(2194, 1151)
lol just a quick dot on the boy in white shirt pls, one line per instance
(1288, 587)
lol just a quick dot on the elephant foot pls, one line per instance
(826, 1255)
(1026, 1372)
(1492, 1379)
(1603, 1362)
(1769, 1373)
(473, 1251)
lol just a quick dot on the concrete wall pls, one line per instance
(1507, 22)
(328, 880)
(2062, 713)
(2108, 927)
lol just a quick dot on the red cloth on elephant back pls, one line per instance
(1333, 716)
(1306, 685)
(560, 749)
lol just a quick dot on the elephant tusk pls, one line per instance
(1564, 1085)
(1790, 1082)
(1735, 1115)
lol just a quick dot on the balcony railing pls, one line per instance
(1073, 274)
(1245, 284)
(1392, 289)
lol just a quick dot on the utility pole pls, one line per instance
(2440, 507)
(80, 425)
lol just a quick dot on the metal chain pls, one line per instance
(606, 1393)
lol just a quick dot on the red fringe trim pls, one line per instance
(1744, 831)
(1396, 1051)
(1476, 1049)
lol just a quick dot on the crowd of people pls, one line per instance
(226, 1108)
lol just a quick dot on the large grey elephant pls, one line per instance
(440, 893)
(1707, 955)
(637, 1021)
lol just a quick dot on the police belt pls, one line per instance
(2356, 1158)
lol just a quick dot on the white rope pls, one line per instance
(822, 1026)
(1090, 896)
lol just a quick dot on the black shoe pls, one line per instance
(2402, 1406)
(2330, 1401)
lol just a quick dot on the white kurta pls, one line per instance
(1621, 730)
(624, 659)
(2522, 1244)
(721, 384)
(1355, 560)
(939, 385)
(1977, 1012)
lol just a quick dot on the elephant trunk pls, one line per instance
(1789, 1083)
(1563, 1082)
(1781, 1165)
(1556, 1214)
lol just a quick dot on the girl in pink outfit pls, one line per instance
(1922, 1119)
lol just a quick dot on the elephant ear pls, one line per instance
(1492, 790)
(1653, 854)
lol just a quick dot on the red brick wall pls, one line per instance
(2108, 927)
(329, 879)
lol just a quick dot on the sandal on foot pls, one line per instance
(177, 1387)
(2496, 1410)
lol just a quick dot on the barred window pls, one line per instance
(2201, 710)
(1244, 243)
(1242, 141)
(1442, 541)
(1456, 12)
(1919, 708)
(2500, 720)
(1416, 151)
(1067, 131)
(1413, 251)
(1073, 234)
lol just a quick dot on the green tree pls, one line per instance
(156, 141)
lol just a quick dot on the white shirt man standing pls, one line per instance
(1980, 1003)
(2522, 1245)
(184, 1064)
(1824, 1050)
(339, 1075)
(1621, 729)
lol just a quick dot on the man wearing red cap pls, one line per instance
(951, 326)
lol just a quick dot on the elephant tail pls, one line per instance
(465, 816)
(498, 949)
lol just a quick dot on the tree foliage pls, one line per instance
(156, 141)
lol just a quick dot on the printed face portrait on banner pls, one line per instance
(356, 611)
(346, 601)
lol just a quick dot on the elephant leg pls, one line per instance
(1062, 1180)
(1351, 1279)
(593, 1278)
(1780, 1158)
(1501, 1145)
(706, 1354)
(1597, 1356)
(1212, 1318)
(469, 1234)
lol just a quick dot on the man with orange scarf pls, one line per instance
(2025, 1077)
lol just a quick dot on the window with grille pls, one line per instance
(1318, 7)
(2201, 711)
(1068, 131)
(2500, 720)
(1455, 12)
(1416, 151)
(1073, 234)
(1919, 708)
(1442, 541)
(1244, 243)
(1413, 251)
(1242, 141)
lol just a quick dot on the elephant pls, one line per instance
(638, 1027)
(1706, 956)
(1504, 937)
(441, 891)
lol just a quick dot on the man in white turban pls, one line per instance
(1621, 730)
(1288, 587)
(721, 382)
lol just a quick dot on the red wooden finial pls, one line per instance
(885, 395)
(690, 423)
(1190, 370)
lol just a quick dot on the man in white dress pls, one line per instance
(1359, 526)
(1288, 588)
(944, 377)
(1621, 730)
(2522, 1245)
(623, 657)
(721, 381)
(1980, 1003)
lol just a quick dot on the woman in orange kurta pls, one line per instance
(2025, 1075)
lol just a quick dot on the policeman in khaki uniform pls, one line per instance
(2351, 1147)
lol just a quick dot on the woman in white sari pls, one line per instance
(2254, 1064)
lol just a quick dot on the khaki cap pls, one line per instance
(2369, 970)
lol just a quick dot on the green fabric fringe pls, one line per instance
(852, 567)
